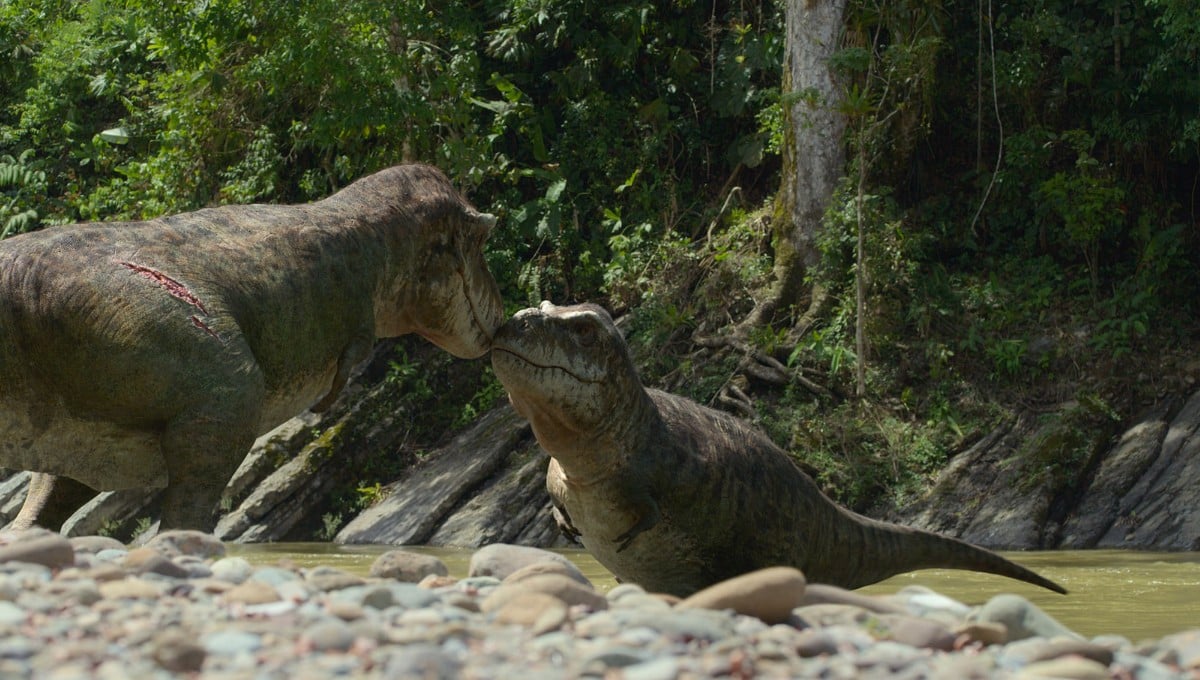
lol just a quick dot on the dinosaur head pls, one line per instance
(444, 290)
(567, 370)
(461, 309)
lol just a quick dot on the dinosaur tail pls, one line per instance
(888, 549)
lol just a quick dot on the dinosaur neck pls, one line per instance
(587, 456)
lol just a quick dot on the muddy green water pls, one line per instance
(1136, 594)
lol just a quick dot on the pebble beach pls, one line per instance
(179, 607)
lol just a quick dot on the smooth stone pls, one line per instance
(111, 555)
(548, 567)
(677, 624)
(1032, 650)
(275, 576)
(331, 635)
(825, 615)
(149, 560)
(104, 571)
(196, 567)
(130, 589)
(813, 642)
(12, 614)
(233, 570)
(187, 542)
(18, 647)
(1146, 669)
(984, 632)
(540, 612)
(297, 590)
(600, 662)
(564, 588)
(768, 594)
(1065, 668)
(501, 559)
(231, 642)
(270, 609)
(643, 601)
(48, 550)
(662, 668)
(346, 611)
(176, 652)
(252, 592)
(822, 593)
(434, 581)
(421, 661)
(94, 544)
(406, 595)
(961, 666)
(921, 601)
(1022, 618)
(84, 592)
(1185, 647)
(406, 566)
(624, 589)
(893, 655)
(328, 579)
(915, 632)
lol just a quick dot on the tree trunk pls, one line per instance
(813, 153)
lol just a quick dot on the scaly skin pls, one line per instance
(151, 354)
(675, 496)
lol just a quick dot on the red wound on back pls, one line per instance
(172, 286)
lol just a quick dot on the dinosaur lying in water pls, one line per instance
(151, 354)
(675, 496)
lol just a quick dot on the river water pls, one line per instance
(1135, 594)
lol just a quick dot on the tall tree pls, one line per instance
(813, 151)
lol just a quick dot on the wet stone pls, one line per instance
(538, 611)
(406, 566)
(251, 592)
(187, 542)
(329, 635)
(231, 642)
(94, 544)
(328, 579)
(500, 560)
(232, 569)
(12, 614)
(1065, 668)
(148, 560)
(130, 589)
(1021, 618)
(176, 652)
(767, 594)
(52, 551)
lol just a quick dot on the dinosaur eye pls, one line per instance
(586, 334)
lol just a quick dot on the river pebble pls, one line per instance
(403, 565)
(213, 617)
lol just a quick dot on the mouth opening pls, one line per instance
(483, 330)
(535, 364)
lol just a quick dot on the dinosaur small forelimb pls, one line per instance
(563, 521)
(351, 356)
(647, 519)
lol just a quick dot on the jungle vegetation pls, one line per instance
(1024, 175)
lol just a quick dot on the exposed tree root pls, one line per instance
(761, 366)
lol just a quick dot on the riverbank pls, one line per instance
(181, 607)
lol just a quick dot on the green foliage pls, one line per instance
(1067, 443)
(18, 181)
(369, 494)
(331, 524)
(1009, 240)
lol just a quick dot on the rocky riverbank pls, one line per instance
(92, 607)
